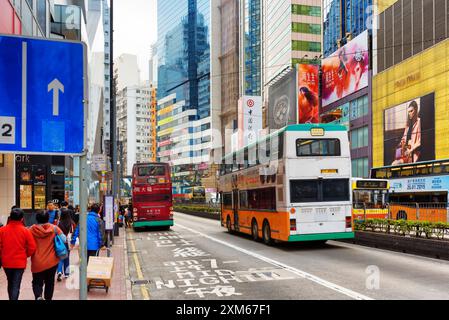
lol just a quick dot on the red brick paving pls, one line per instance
(67, 289)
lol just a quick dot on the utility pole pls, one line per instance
(114, 131)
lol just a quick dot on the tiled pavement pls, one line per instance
(68, 289)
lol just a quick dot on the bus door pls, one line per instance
(235, 208)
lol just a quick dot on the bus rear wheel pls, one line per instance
(267, 234)
(255, 231)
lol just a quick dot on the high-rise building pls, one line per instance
(184, 89)
(228, 73)
(291, 35)
(126, 71)
(343, 20)
(251, 47)
(134, 125)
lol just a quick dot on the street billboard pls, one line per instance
(346, 71)
(282, 107)
(249, 119)
(43, 94)
(409, 131)
(308, 93)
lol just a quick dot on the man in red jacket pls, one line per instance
(16, 245)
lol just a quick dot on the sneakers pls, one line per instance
(59, 277)
(39, 299)
(66, 276)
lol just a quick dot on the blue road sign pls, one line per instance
(42, 96)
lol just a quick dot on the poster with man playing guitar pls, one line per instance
(409, 132)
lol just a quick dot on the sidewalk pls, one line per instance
(69, 289)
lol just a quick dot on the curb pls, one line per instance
(436, 249)
(129, 295)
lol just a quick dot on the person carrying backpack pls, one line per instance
(16, 245)
(66, 225)
(45, 260)
(95, 236)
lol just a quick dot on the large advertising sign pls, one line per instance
(409, 135)
(250, 119)
(282, 102)
(308, 93)
(428, 184)
(346, 71)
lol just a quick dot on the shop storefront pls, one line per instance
(40, 179)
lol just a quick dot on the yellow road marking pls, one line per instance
(144, 290)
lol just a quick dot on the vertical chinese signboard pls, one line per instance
(308, 94)
(250, 119)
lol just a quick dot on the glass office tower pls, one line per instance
(343, 19)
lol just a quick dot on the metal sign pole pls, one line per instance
(83, 228)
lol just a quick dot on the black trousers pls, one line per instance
(14, 277)
(45, 278)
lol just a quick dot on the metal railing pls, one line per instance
(415, 211)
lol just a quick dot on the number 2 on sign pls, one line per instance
(7, 130)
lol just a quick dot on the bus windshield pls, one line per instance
(370, 199)
(151, 171)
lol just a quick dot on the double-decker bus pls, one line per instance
(195, 194)
(370, 199)
(418, 191)
(292, 185)
(152, 196)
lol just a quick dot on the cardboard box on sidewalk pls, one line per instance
(99, 272)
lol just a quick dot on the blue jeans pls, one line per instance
(14, 277)
(64, 265)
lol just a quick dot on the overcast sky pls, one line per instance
(135, 28)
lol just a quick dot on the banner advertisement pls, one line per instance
(409, 132)
(308, 93)
(282, 108)
(346, 71)
(250, 119)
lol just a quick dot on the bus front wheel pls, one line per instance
(267, 234)
(255, 230)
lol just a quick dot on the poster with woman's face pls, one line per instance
(346, 71)
(409, 132)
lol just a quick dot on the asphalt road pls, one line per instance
(197, 259)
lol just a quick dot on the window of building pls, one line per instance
(306, 46)
(305, 10)
(306, 28)
(359, 107)
(360, 168)
(359, 138)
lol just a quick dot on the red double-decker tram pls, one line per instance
(152, 196)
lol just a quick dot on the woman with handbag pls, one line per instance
(45, 260)
(66, 224)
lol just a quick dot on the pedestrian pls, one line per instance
(44, 262)
(16, 245)
(76, 216)
(94, 232)
(53, 213)
(66, 225)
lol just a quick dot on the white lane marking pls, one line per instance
(230, 262)
(300, 273)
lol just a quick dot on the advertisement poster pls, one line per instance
(282, 108)
(409, 135)
(308, 94)
(346, 71)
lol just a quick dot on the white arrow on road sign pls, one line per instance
(56, 86)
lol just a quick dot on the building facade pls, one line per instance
(411, 69)
(291, 35)
(184, 89)
(134, 126)
(343, 20)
